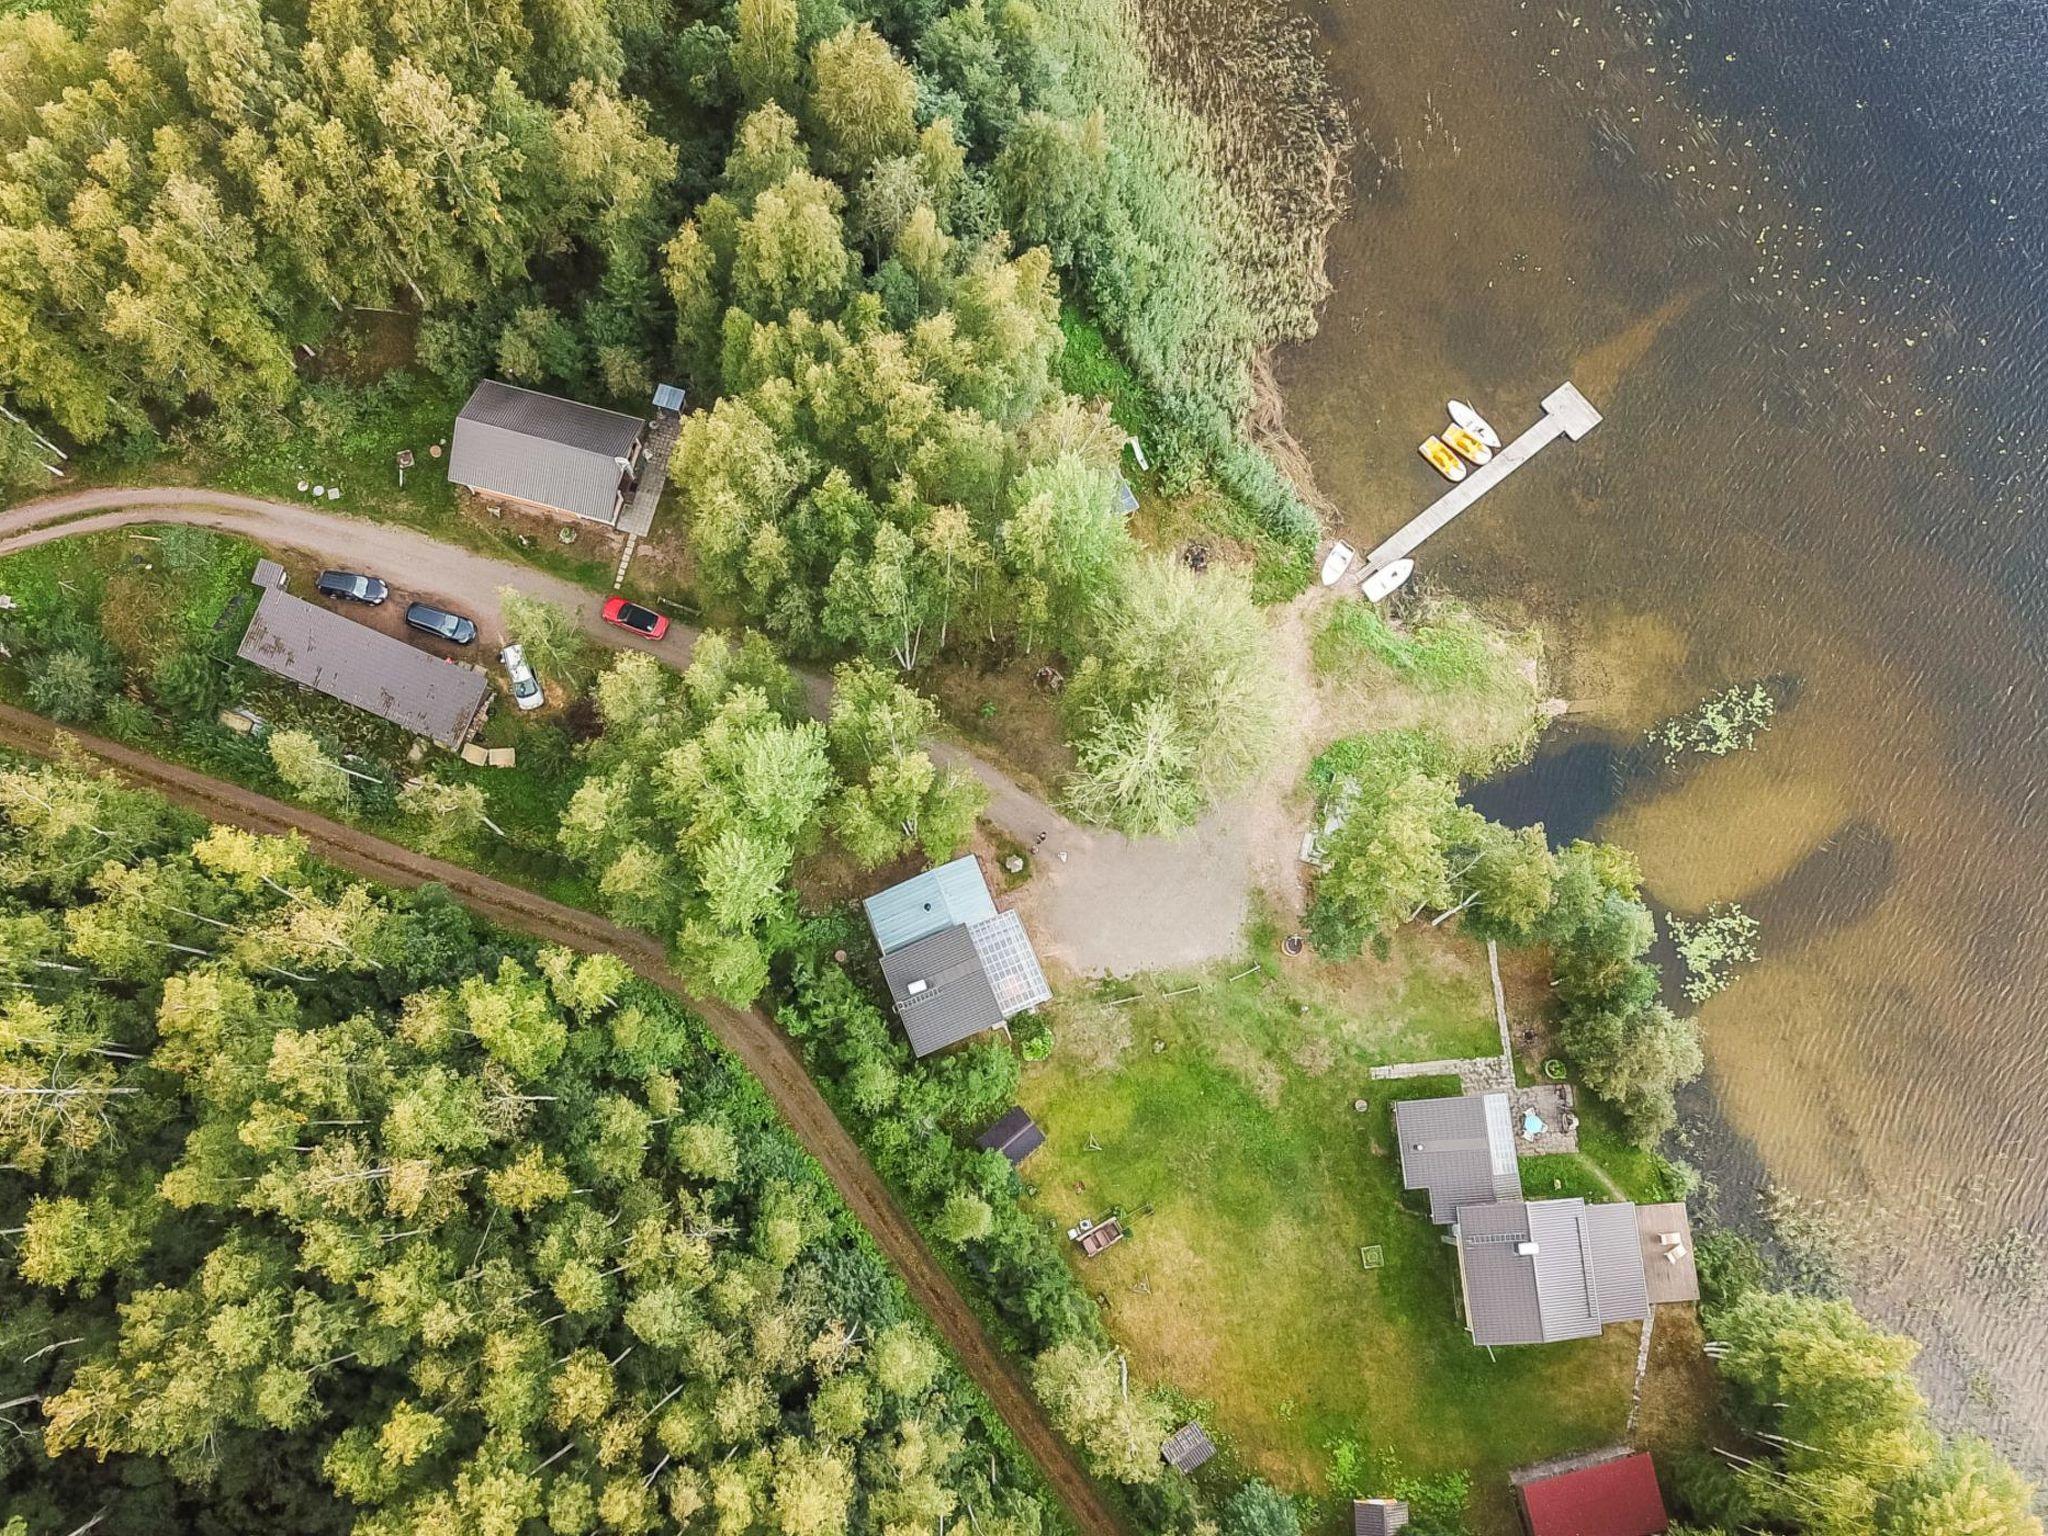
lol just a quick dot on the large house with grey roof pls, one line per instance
(956, 966)
(544, 452)
(1534, 1271)
(331, 653)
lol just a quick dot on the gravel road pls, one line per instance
(1114, 904)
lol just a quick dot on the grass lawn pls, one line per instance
(153, 590)
(1605, 1162)
(1222, 1124)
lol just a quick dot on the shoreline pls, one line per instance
(1425, 286)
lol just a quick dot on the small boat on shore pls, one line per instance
(1467, 444)
(1445, 462)
(1385, 581)
(1337, 562)
(1473, 422)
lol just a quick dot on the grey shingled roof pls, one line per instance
(927, 903)
(1462, 1150)
(942, 994)
(1378, 1517)
(543, 449)
(345, 660)
(1585, 1271)
(1187, 1447)
(1016, 1136)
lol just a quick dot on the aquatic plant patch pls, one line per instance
(1729, 721)
(1710, 948)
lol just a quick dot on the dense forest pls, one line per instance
(846, 225)
(327, 1210)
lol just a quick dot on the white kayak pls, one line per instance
(1387, 579)
(1337, 562)
(1474, 423)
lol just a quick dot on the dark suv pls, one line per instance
(357, 589)
(441, 624)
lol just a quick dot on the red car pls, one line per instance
(642, 621)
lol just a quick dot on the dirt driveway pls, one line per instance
(1113, 905)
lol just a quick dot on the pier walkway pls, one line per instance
(1566, 413)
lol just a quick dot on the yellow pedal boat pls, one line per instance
(1468, 444)
(1445, 462)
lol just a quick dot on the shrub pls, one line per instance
(188, 682)
(69, 684)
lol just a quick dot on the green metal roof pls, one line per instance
(926, 904)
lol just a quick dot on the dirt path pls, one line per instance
(1112, 904)
(749, 1034)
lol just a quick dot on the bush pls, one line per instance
(69, 685)
(189, 682)
(1730, 1266)
(1258, 1509)
(1636, 1060)
(1032, 1035)
(126, 720)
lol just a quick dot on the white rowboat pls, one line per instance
(1474, 423)
(1337, 562)
(1387, 580)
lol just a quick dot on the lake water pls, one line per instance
(1794, 252)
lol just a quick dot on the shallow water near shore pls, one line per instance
(1793, 254)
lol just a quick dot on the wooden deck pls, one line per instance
(1668, 1269)
(1566, 413)
(638, 515)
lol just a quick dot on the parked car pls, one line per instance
(525, 686)
(642, 621)
(440, 623)
(353, 586)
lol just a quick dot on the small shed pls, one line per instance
(268, 574)
(1187, 1447)
(1378, 1517)
(1126, 498)
(1608, 1493)
(1016, 1136)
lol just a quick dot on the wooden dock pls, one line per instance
(1566, 413)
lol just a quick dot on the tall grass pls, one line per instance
(1252, 72)
(1449, 651)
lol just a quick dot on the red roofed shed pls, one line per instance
(1612, 1498)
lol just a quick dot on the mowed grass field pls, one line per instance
(1221, 1122)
